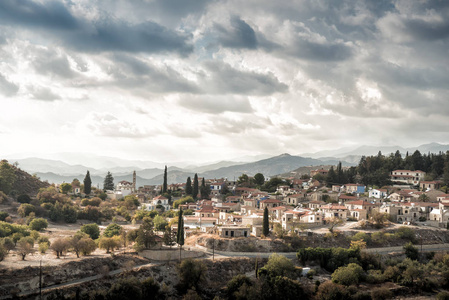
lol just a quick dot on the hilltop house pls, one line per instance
(407, 176)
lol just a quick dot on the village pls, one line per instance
(305, 204)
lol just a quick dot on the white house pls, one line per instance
(378, 193)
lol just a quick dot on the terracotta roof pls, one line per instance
(360, 202)
(160, 197)
(271, 201)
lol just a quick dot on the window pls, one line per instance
(226, 233)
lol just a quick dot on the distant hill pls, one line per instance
(373, 150)
(269, 167)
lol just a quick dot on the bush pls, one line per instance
(7, 243)
(38, 224)
(349, 275)
(43, 247)
(24, 199)
(25, 209)
(93, 230)
(411, 251)
(191, 274)
(332, 291)
(3, 252)
(113, 229)
(442, 296)
(381, 293)
(3, 215)
(406, 233)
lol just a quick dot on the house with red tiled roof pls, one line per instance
(334, 210)
(354, 188)
(270, 203)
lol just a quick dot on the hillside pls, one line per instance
(26, 183)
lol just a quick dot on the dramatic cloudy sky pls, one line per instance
(171, 80)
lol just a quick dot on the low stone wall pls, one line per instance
(169, 254)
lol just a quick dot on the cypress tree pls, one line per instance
(195, 186)
(180, 234)
(189, 190)
(266, 225)
(87, 184)
(164, 187)
(108, 184)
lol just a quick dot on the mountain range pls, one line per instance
(67, 168)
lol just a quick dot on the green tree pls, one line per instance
(411, 251)
(7, 176)
(265, 224)
(38, 224)
(93, 230)
(160, 223)
(87, 184)
(259, 179)
(352, 274)
(25, 246)
(113, 229)
(145, 235)
(108, 184)
(108, 243)
(189, 190)
(278, 265)
(191, 274)
(168, 237)
(164, 186)
(195, 186)
(331, 177)
(204, 190)
(65, 188)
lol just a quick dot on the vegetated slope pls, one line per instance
(26, 183)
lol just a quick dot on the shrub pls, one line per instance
(406, 233)
(191, 274)
(7, 243)
(24, 199)
(43, 247)
(93, 230)
(411, 251)
(3, 215)
(38, 224)
(3, 252)
(349, 275)
(113, 229)
(332, 291)
(442, 296)
(25, 209)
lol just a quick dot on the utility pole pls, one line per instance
(213, 248)
(40, 280)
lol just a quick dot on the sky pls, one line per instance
(197, 80)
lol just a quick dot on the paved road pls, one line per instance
(425, 248)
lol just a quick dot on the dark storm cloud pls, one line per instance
(51, 15)
(112, 35)
(131, 72)
(224, 79)
(104, 34)
(428, 30)
(216, 104)
(7, 87)
(239, 36)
